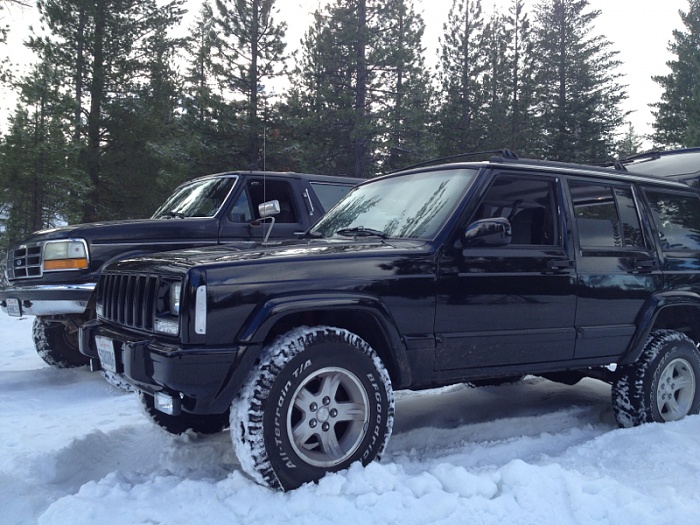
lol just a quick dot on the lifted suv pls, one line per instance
(465, 272)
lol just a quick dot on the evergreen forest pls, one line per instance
(117, 109)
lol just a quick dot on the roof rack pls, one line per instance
(502, 154)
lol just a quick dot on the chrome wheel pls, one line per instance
(328, 417)
(676, 390)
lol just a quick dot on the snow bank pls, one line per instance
(77, 451)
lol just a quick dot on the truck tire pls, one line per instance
(663, 385)
(318, 400)
(57, 344)
(199, 423)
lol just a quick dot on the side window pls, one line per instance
(329, 194)
(606, 216)
(529, 205)
(241, 211)
(678, 219)
(258, 191)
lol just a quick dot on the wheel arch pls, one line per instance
(679, 311)
(361, 314)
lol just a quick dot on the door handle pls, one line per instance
(560, 265)
(644, 266)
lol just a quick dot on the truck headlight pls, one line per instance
(71, 254)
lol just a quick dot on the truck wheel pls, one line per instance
(199, 423)
(663, 385)
(57, 344)
(317, 400)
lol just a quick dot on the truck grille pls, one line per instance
(130, 300)
(24, 262)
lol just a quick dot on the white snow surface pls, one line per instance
(76, 450)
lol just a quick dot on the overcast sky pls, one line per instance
(639, 29)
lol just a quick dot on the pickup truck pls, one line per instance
(52, 274)
(463, 272)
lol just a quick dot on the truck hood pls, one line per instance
(133, 230)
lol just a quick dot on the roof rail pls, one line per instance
(502, 154)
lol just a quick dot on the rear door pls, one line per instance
(617, 265)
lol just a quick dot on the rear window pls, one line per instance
(677, 218)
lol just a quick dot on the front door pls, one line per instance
(500, 306)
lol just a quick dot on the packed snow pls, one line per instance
(76, 450)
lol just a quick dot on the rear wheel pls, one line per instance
(56, 342)
(318, 400)
(199, 423)
(663, 385)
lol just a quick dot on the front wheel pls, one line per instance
(663, 385)
(56, 342)
(318, 400)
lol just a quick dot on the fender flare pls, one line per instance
(259, 324)
(647, 318)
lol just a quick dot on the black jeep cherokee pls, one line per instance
(465, 272)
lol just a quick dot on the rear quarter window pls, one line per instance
(677, 219)
(329, 194)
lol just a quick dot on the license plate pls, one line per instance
(105, 349)
(13, 307)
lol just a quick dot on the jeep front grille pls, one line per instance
(130, 300)
(24, 262)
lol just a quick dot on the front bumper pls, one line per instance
(49, 299)
(204, 380)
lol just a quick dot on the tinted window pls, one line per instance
(329, 194)
(678, 219)
(258, 191)
(606, 216)
(527, 203)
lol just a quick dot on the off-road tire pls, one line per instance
(199, 423)
(318, 400)
(663, 385)
(56, 344)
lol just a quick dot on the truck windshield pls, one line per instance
(408, 206)
(200, 198)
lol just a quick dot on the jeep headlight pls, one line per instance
(71, 254)
(174, 298)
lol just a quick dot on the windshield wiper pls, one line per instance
(361, 231)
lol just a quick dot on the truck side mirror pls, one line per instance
(269, 208)
(488, 232)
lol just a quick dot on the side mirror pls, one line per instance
(269, 208)
(488, 232)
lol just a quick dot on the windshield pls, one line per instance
(408, 206)
(200, 198)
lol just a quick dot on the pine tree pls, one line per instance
(101, 47)
(404, 93)
(677, 115)
(250, 52)
(630, 144)
(361, 98)
(463, 63)
(37, 159)
(579, 94)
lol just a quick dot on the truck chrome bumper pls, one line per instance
(49, 299)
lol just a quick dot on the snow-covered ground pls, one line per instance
(75, 451)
